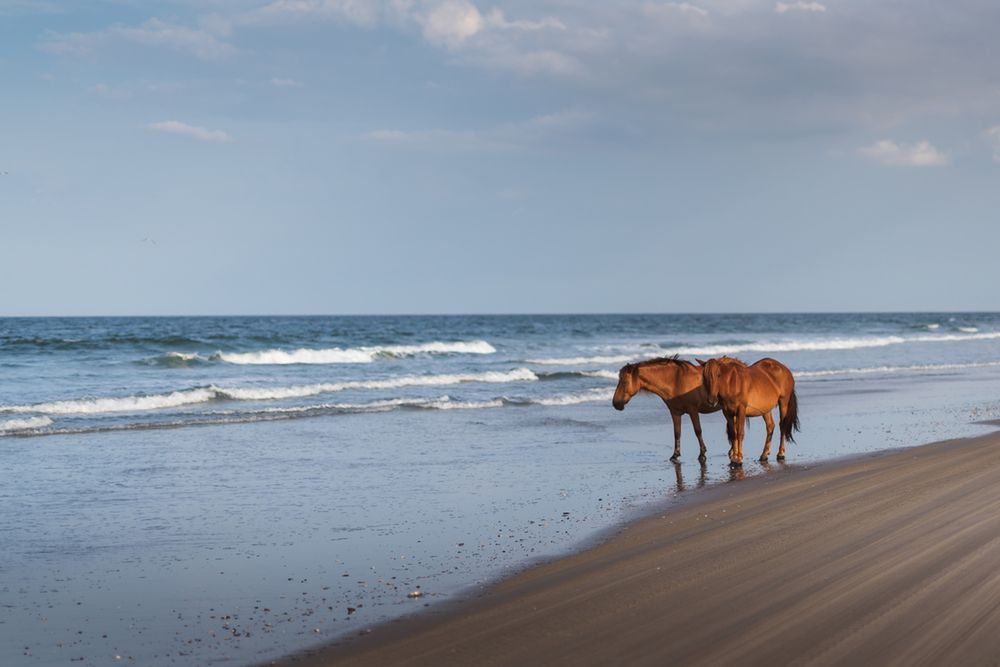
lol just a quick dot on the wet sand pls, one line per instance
(889, 559)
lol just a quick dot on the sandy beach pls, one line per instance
(886, 559)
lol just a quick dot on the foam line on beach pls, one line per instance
(791, 345)
(876, 370)
(352, 355)
(210, 393)
(38, 425)
(27, 424)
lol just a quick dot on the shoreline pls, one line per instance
(645, 590)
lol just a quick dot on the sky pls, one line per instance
(467, 156)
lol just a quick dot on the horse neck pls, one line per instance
(665, 381)
(734, 378)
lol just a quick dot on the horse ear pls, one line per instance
(700, 362)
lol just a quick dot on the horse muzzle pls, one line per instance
(618, 405)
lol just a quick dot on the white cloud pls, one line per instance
(452, 22)
(672, 9)
(110, 92)
(447, 140)
(193, 131)
(360, 12)
(505, 137)
(993, 136)
(496, 19)
(532, 62)
(200, 43)
(799, 6)
(920, 154)
(487, 37)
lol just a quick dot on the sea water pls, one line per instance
(232, 489)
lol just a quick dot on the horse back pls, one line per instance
(777, 373)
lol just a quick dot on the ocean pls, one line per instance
(196, 490)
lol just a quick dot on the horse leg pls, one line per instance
(676, 416)
(731, 436)
(696, 422)
(741, 426)
(769, 422)
(782, 408)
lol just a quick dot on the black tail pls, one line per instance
(790, 422)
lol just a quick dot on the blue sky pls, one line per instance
(451, 156)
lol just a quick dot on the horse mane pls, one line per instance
(658, 361)
(726, 357)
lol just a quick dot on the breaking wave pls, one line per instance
(198, 395)
(36, 426)
(28, 424)
(177, 360)
(792, 345)
(876, 370)
(351, 355)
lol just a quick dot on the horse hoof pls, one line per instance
(781, 458)
(736, 464)
(702, 458)
(763, 459)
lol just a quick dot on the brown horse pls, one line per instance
(749, 391)
(680, 385)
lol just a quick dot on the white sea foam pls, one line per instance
(591, 396)
(877, 370)
(607, 375)
(27, 424)
(439, 403)
(119, 404)
(182, 356)
(299, 391)
(583, 361)
(177, 359)
(352, 355)
(791, 345)
(212, 392)
(933, 326)
(969, 329)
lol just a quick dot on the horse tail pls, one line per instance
(790, 422)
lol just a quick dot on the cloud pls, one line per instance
(920, 154)
(285, 83)
(674, 9)
(359, 12)
(452, 22)
(487, 38)
(193, 131)
(993, 136)
(10, 7)
(520, 135)
(799, 6)
(200, 43)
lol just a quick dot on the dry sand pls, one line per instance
(887, 560)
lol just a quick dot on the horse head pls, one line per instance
(711, 370)
(628, 385)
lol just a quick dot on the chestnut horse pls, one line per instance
(750, 391)
(678, 383)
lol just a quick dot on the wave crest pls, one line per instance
(29, 424)
(197, 395)
(774, 346)
(352, 355)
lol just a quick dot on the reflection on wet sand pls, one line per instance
(679, 472)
